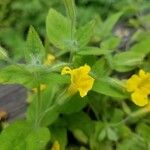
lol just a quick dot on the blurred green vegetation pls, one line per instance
(111, 36)
(17, 15)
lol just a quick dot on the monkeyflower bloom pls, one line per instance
(42, 88)
(139, 85)
(55, 146)
(80, 79)
(49, 60)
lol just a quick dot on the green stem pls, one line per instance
(60, 100)
(132, 115)
(71, 13)
(38, 101)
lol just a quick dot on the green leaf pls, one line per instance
(108, 25)
(112, 135)
(80, 136)
(117, 115)
(126, 61)
(17, 74)
(143, 130)
(80, 121)
(129, 60)
(132, 143)
(110, 87)
(58, 29)
(75, 104)
(21, 135)
(101, 68)
(46, 113)
(79, 60)
(93, 51)
(37, 139)
(14, 41)
(110, 43)
(84, 33)
(10, 137)
(35, 51)
(71, 10)
(95, 142)
(141, 47)
(123, 131)
(102, 135)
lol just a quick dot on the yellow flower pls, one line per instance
(80, 80)
(139, 85)
(50, 58)
(56, 146)
(42, 88)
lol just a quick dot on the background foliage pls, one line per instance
(112, 36)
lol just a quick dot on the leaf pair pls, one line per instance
(60, 32)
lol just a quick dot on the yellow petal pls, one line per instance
(85, 69)
(78, 74)
(132, 83)
(56, 146)
(139, 98)
(142, 73)
(66, 70)
(80, 80)
(83, 92)
(86, 86)
(50, 58)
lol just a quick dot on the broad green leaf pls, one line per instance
(14, 41)
(21, 135)
(80, 121)
(17, 74)
(95, 142)
(127, 61)
(74, 104)
(37, 139)
(84, 34)
(108, 25)
(79, 60)
(26, 75)
(146, 64)
(141, 47)
(110, 43)
(101, 68)
(93, 51)
(132, 143)
(112, 135)
(110, 87)
(35, 51)
(54, 78)
(13, 137)
(102, 135)
(58, 29)
(140, 36)
(27, 139)
(123, 131)
(144, 20)
(117, 115)
(41, 111)
(71, 10)
(80, 136)
(143, 130)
